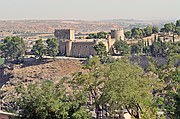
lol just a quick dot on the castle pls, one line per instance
(69, 46)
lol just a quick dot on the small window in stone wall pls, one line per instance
(86, 46)
(80, 46)
(74, 46)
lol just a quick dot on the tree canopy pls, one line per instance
(122, 47)
(127, 87)
(13, 48)
(137, 48)
(52, 47)
(100, 49)
(39, 49)
(169, 27)
(128, 34)
(99, 35)
(141, 32)
(50, 101)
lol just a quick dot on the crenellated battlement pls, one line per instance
(118, 34)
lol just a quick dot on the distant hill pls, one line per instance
(48, 26)
(130, 23)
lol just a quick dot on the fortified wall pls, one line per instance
(69, 46)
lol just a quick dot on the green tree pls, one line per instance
(155, 29)
(4, 47)
(91, 82)
(137, 48)
(159, 48)
(178, 30)
(100, 49)
(13, 48)
(146, 50)
(127, 88)
(168, 99)
(39, 49)
(178, 23)
(171, 100)
(143, 33)
(49, 101)
(92, 36)
(52, 47)
(148, 30)
(128, 34)
(169, 27)
(178, 27)
(137, 32)
(122, 47)
(101, 35)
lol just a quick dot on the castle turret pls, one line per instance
(117, 34)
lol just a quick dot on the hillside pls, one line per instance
(48, 69)
(32, 71)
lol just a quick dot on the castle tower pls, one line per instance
(117, 34)
(65, 37)
(64, 34)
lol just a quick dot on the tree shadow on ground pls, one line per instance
(33, 62)
(5, 79)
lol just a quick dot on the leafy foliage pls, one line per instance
(178, 27)
(13, 48)
(52, 47)
(100, 49)
(39, 49)
(127, 87)
(137, 32)
(99, 35)
(140, 33)
(137, 48)
(169, 27)
(91, 82)
(128, 34)
(155, 29)
(119, 85)
(50, 101)
(122, 47)
(148, 30)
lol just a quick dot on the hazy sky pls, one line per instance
(89, 9)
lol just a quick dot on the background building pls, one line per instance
(69, 46)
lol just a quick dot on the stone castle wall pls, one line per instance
(83, 49)
(69, 46)
(62, 48)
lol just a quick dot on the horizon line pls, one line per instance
(88, 20)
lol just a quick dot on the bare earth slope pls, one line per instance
(35, 72)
